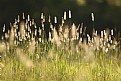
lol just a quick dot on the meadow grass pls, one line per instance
(68, 54)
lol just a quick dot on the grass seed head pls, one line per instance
(112, 32)
(55, 19)
(92, 15)
(4, 28)
(28, 17)
(69, 14)
(64, 15)
(23, 16)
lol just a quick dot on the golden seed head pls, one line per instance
(4, 28)
(23, 16)
(64, 15)
(18, 20)
(112, 32)
(69, 14)
(55, 19)
(42, 16)
(92, 14)
(28, 17)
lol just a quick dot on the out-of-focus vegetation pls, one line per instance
(107, 11)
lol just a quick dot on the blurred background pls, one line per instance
(107, 12)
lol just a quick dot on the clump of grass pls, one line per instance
(68, 54)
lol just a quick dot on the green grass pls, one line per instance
(58, 64)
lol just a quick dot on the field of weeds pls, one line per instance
(65, 53)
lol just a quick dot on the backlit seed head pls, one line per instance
(69, 13)
(88, 37)
(30, 23)
(64, 15)
(42, 16)
(18, 20)
(23, 16)
(62, 21)
(28, 17)
(51, 26)
(96, 33)
(101, 34)
(81, 30)
(15, 21)
(92, 14)
(112, 32)
(55, 19)
(4, 28)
